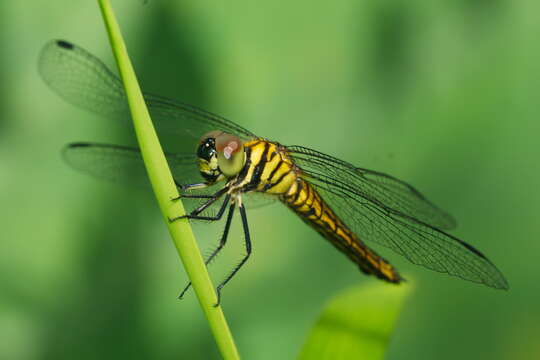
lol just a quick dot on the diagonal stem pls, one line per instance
(165, 190)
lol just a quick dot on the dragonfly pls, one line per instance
(233, 168)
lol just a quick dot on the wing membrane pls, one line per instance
(124, 165)
(85, 81)
(379, 188)
(385, 210)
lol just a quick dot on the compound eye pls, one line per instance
(231, 156)
(207, 149)
(210, 135)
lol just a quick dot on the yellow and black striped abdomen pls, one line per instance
(267, 169)
(304, 200)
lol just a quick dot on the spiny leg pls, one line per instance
(196, 186)
(183, 188)
(194, 196)
(222, 243)
(195, 213)
(247, 239)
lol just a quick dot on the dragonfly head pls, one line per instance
(220, 155)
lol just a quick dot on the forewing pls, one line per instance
(124, 165)
(83, 80)
(385, 210)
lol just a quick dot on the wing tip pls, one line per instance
(502, 284)
(65, 44)
(78, 145)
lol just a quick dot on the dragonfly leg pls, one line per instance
(221, 245)
(247, 239)
(193, 196)
(194, 215)
(183, 188)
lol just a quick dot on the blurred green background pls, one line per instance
(442, 94)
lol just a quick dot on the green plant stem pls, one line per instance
(165, 189)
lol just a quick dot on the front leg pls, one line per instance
(212, 199)
(183, 188)
(194, 215)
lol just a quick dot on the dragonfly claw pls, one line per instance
(218, 292)
(171, 220)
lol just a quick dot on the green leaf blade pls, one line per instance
(356, 324)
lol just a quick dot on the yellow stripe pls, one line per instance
(325, 221)
(310, 206)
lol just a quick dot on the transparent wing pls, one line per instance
(84, 80)
(380, 189)
(385, 210)
(124, 165)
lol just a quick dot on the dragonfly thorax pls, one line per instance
(220, 155)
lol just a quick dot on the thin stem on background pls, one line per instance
(165, 189)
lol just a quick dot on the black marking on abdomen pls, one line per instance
(273, 155)
(258, 170)
(278, 180)
(245, 169)
(271, 175)
(299, 188)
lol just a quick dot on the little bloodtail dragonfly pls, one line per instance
(346, 204)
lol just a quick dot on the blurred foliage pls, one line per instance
(442, 94)
(356, 324)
